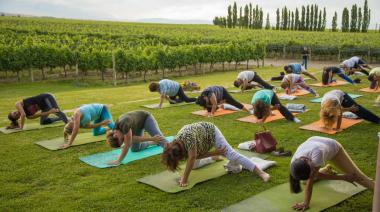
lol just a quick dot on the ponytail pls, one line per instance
(14, 122)
(299, 170)
(295, 185)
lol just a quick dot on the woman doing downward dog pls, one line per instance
(329, 72)
(311, 156)
(194, 141)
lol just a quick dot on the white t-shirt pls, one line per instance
(333, 94)
(318, 149)
(293, 78)
(350, 63)
(246, 75)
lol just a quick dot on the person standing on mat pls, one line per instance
(90, 116)
(40, 106)
(129, 130)
(329, 72)
(305, 56)
(297, 68)
(262, 101)
(291, 82)
(355, 64)
(194, 141)
(335, 102)
(213, 96)
(170, 90)
(245, 79)
(374, 78)
(313, 154)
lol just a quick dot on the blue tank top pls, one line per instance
(90, 112)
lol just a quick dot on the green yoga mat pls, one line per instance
(319, 100)
(165, 105)
(168, 181)
(100, 160)
(326, 194)
(82, 138)
(31, 126)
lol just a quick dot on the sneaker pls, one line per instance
(233, 167)
(296, 120)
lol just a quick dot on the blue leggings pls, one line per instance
(104, 115)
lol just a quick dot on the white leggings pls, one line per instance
(231, 154)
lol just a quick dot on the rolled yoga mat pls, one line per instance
(319, 100)
(82, 138)
(31, 126)
(326, 193)
(165, 105)
(100, 160)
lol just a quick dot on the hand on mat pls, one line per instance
(54, 110)
(114, 162)
(64, 146)
(157, 138)
(182, 183)
(216, 158)
(221, 151)
(301, 206)
(354, 108)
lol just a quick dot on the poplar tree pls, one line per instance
(234, 15)
(334, 22)
(292, 22)
(353, 18)
(261, 18)
(360, 17)
(324, 21)
(365, 22)
(246, 16)
(296, 21)
(229, 17)
(250, 16)
(345, 20)
(277, 19)
(319, 27)
(285, 19)
(307, 23)
(241, 19)
(316, 21)
(303, 22)
(311, 18)
(267, 24)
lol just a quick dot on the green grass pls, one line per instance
(36, 179)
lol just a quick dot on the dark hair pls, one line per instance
(14, 121)
(173, 153)
(201, 101)
(286, 68)
(153, 86)
(237, 83)
(261, 109)
(371, 77)
(112, 141)
(282, 73)
(299, 170)
(357, 80)
(325, 76)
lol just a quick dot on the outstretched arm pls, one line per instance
(310, 75)
(22, 114)
(127, 140)
(308, 192)
(192, 156)
(245, 85)
(214, 104)
(74, 133)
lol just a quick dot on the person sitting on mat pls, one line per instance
(245, 78)
(374, 78)
(291, 82)
(40, 106)
(335, 102)
(329, 72)
(90, 116)
(262, 101)
(355, 64)
(308, 159)
(169, 89)
(297, 68)
(194, 141)
(213, 96)
(129, 130)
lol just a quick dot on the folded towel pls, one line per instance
(230, 107)
(287, 97)
(349, 115)
(248, 145)
(234, 167)
(297, 108)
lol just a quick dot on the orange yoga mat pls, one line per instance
(252, 119)
(219, 112)
(318, 126)
(369, 90)
(337, 83)
(299, 92)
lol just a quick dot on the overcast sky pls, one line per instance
(166, 9)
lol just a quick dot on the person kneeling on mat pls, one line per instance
(245, 78)
(308, 159)
(329, 72)
(194, 141)
(291, 82)
(169, 89)
(29, 108)
(262, 101)
(335, 102)
(90, 116)
(213, 96)
(374, 78)
(297, 68)
(129, 130)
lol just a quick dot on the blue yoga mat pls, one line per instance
(100, 160)
(319, 100)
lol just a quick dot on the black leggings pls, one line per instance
(229, 100)
(362, 112)
(181, 97)
(283, 110)
(51, 103)
(258, 79)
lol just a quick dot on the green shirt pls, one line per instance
(264, 95)
(199, 135)
(134, 120)
(375, 72)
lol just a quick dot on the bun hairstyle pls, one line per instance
(201, 101)
(112, 141)
(371, 77)
(299, 170)
(329, 113)
(173, 153)
(153, 86)
(237, 83)
(261, 109)
(14, 121)
(286, 68)
(285, 84)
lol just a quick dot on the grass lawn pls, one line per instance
(36, 179)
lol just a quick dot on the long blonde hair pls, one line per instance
(329, 113)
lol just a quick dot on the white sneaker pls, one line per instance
(203, 162)
(233, 167)
(296, 120)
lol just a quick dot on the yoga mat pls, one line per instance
(165, 105)
(100, 160)
(319, 100)
(318, 126)
(337, 83)
(219, 112)
(368, 90)
(31, 126)
(326, 193)
(299, 92)
(277, 116)
(82, 138)
(168, 181)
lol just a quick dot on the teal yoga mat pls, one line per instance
(326, 194)
(100, 160)
(319, 100)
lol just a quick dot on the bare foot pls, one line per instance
(217, 158)
(263, 175)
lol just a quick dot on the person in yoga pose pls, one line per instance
(355, 64)
(262, 101)
(90, 116)
(245, 79)
(291, 82)
(40, 106)
(329, 72)
(194, 141)
(129, 130)
(313, 154)
(297, 68)
(335, 102)
(374, 78)
(170, 90)
(213, 96)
